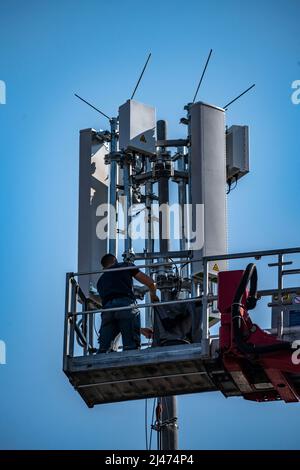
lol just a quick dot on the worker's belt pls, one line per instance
(116, 296)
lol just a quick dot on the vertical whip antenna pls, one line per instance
(92, 106)
(140, 77)
(203, 73)
(232, 101)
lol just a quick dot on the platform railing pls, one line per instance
(86, 333)
(279, 290)
(87, 329)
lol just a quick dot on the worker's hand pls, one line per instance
(147, 332)
(154, 298)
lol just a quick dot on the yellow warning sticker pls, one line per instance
(216, 267)
(143, 139)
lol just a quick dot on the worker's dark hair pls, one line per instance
(107, 259)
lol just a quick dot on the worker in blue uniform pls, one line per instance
(116, 290)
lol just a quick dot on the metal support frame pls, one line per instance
(72, 320)
(205, 310)
(112, 244)
(66, 323)
(189, 199)
(182, 186)
(90, 334)
(149, 241)
(127, 206)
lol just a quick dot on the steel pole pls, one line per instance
(169, 430)
(149, 241)
(182, 204)
(127, 207)
(112, 243)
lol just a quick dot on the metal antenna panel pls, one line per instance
(137, 123)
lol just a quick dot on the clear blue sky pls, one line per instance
(51, 49)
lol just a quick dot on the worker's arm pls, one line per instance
(95, 298)
(148, 281)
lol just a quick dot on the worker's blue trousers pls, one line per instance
(126, 322)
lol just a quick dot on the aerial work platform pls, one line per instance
(242, 360)
(151, 372)
(132, 374)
